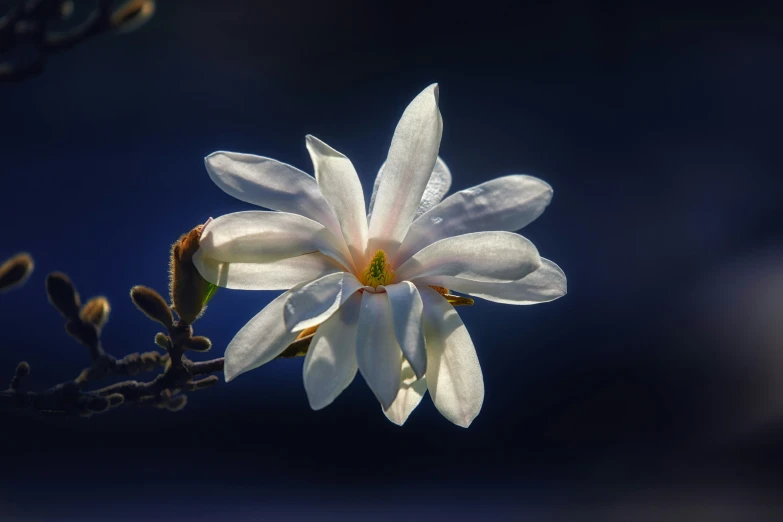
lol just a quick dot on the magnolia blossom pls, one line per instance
(374, 284)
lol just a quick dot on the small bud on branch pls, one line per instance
(190, 292)
(15, 271)
(63, 295)
(96, 312)
(153, 305)
(197, 344)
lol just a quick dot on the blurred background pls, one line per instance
(652, 391)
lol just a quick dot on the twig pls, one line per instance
(85, 323)
(29, 21)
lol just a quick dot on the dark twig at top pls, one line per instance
(29, 23)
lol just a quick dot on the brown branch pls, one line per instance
(72, 398)
(84, 323)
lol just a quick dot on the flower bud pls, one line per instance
(197, 344)
(63, 295)
(162, 340)
(15, 271)
(189, 291)
(96, 312)
(65, 9)
(22, 369)
(152, 304)
(132, 15)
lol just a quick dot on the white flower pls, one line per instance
(367, 282)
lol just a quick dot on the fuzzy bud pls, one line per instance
(63, 295)
(132, 15)
(15, 271)
(162, 340)
(65, 9)
(189, 291)
(152, 304)
(197, 344)
(96, 312)
(22, 369)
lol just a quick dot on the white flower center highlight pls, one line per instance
(378, 272)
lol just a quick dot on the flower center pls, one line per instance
(378, 272)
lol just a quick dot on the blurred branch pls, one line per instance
(29, 22)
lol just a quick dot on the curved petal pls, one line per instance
(270, 184)
(262, 237)
(507, 203)
(496, 257)
(541, 286)
(437, 187)
(342, 189)
(330, 365)
(408, 397)
(454, 377)
(262, 339)
(377, 352)
(409, 164)
(316, 301)
(277, 275)
(406, 310)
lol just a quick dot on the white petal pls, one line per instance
(507, 203)
(262, 339)
(409, 164)
(408, 397)
(437, 187)
(454, 377)
(495, 257)
(541, 286)
(342, 189)
(406, 310)
(270, 184)
(330, 364)
(262, 237)
(277, 275)
(377, 352)
(316, 301)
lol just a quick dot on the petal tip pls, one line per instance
(210, 158)
(394, 421)
(316, 405)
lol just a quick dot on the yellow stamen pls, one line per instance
(454, 300)
(307, 331)
(378, 272)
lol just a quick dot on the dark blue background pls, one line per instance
(653, 389)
